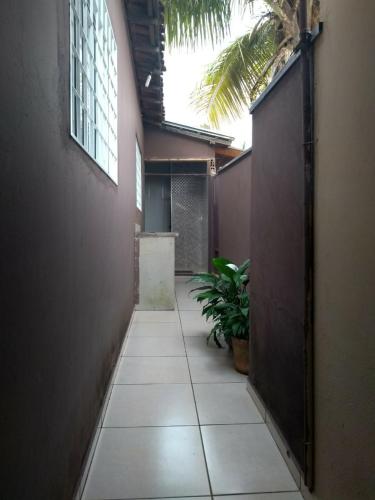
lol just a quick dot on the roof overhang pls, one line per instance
(209, 136)
(145, 20)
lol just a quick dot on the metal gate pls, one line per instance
(189, 216)
(177, 200)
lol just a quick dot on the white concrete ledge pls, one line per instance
(157, 235)
(156, 271)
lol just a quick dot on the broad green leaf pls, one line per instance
(221, 265)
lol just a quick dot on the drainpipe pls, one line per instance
(308, 145)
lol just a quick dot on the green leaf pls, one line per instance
(193, 22)
(205, 287)
(244, 279)
(245, 265)
(244, 68)
(203, 278)
(239, 73)
(207, 295)
(233, 267)
(245, 311)
(221, 265)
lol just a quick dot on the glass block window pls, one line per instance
(93, 82)
(138, 175)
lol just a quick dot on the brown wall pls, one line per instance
(344, 253)
(232, 187)
(160, 144)
(277, 257)
(67, 246)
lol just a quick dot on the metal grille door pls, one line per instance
(189, 217)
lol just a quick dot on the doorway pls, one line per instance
(176, 199)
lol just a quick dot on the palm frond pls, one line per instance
(237, 76)
(193, 22)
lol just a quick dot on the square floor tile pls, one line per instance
(264, 496)
(225, 404)
(184, 304)
(154, 346)
(198, 346)
(148, 329)
(193, 324)
(185, 282)
(189, 316)
(185, 290)
(195, 328)
(244, 459)
(148, 462)
(155, 317)
(151, 405)
(214, 369)
(153, 370)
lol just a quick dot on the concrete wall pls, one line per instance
(156, 283)
(232, 187)
(344, 253)
(277, 288)
(67, 253)
(160, 144)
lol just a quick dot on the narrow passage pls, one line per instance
(180, 422)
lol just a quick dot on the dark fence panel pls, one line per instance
(277, 254)
(232, 210)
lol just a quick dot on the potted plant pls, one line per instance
(225, 300)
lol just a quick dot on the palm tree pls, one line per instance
(243, 69)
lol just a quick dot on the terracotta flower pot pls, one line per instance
(241, 355)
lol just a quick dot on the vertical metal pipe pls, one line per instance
(308, 145)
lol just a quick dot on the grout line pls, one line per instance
(154, 356)
(205, 496)
(159, 498)
(177, 425)
(159, 322)
(149, 426)
(196, 407)
(157, 383)
(273, 492)
(180, 383)
(217, 383)
(153, 336)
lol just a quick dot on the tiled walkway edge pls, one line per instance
(94, 439)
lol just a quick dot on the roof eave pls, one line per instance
(198, 133)
(146, 28)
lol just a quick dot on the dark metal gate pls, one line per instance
(189, 207)
(177, 200)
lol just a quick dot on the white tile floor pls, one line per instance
(180, 423)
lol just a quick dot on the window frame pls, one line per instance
(93, 83)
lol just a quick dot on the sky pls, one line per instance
(185, 68)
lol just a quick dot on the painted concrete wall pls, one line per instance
(67, 253)
(345, 253)
(232, 187)
(277, 254)
(156, 271)
(160, 144)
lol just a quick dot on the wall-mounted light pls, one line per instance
(148, 80)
